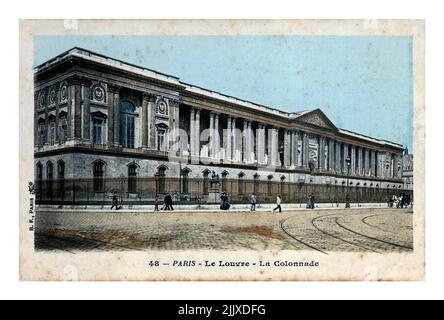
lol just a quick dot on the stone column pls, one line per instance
(250, 145)
(77, 112)
(366, 162)
(380, 167)
(376, 163)
(337, 156)
(344, 157)
(228, 138)
(197, 133)
(305, 151)
(272, 146)
(235, 140)
(263, 147)
(113, 120)
(86, 112)
(192, 131)
(244, 142)
(211, 149)
(293, 147)
(174, 107)
(299, 148)
(217, 141)
(321, 153)
(260, 144)
(144, 120)
(360, 161)
(287, 148)
(353, 160)
(331, 155)
(151, 119)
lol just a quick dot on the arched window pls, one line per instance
(132, 178)
(241, 183)
(185, 181)
(127, 124)
(49, 178)
(270, 185)
(206, 179)
(98, 167)
(161, 185)
(224, 181)
(61, 177)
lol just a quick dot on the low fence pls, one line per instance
(144, 190)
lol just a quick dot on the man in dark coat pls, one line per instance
(312, 201)
(169, 202)
(224, 202)
(114, 201)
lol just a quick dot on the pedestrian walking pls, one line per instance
(224, 202)
(114, 201)
(278, 203)
(156, 204)
(169, 202)
(253, 202)
(308, 206)
(312, 201)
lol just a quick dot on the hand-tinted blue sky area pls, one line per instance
(362, 83)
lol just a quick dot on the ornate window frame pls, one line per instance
(63, 92)
(41, 100)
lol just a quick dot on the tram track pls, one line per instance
(313, 222)
(335, 228)
(394, 244)
(282, 222)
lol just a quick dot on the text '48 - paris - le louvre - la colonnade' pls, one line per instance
(104, 125)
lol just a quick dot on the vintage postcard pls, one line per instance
(222, 150)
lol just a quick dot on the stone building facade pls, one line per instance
(407, 171)
(103, 124)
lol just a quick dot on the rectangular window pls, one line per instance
(63, 130)
(41, 135)
(52, 132)
(161, 139)
(127, 130)
(97, 131)
(130, 132)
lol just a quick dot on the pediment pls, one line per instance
(317, 118)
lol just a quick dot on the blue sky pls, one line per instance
(362, 83)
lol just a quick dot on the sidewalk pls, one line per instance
(236, 208)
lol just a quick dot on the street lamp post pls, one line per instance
(155, 178)
(347, 196)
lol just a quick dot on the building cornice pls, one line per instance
(201, 98)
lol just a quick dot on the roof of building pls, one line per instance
(153, 74)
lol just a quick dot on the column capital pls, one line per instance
(149, 97)
(114, 88)
(174, 102)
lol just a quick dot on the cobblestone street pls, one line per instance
(358, 230)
